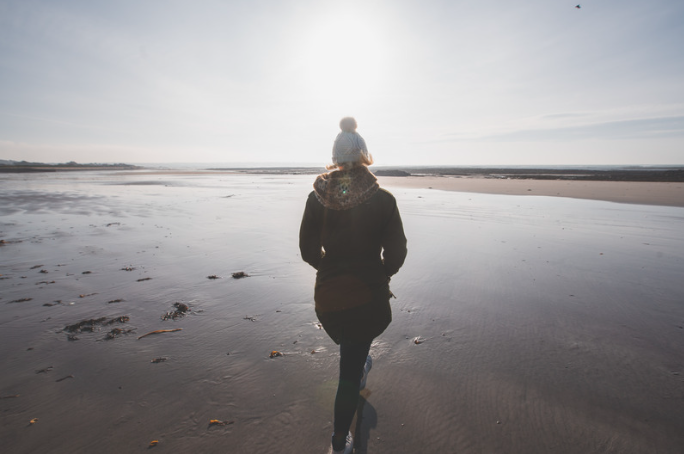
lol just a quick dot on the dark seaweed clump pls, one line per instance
(180, 311)
(91, 325)
(116, 332)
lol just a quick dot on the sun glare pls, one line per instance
(343, 60)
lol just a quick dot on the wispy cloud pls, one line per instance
(642, 128)
(562, 116)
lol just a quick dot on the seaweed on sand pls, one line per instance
(116, 332)
(180, 311)
(90, 325)
(159, 331)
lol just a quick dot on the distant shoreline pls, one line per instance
(644, 174)
(669, 174)
(63, 168)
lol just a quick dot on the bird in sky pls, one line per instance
(578, 6)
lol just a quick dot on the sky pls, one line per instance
(430, 82)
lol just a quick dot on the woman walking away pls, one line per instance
(352, 234)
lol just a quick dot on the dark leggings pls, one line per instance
(352, 360)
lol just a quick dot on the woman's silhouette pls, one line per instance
(352, 234)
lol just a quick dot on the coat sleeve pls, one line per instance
(393, 242)
(310, 234)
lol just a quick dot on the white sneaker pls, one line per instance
(348, 446)
(366, 369)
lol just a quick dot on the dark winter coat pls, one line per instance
(352, 234)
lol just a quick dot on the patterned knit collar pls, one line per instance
(345, 189)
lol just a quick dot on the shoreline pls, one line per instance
(609, 189)
(64, 168)
(635, 192)
(663, 193)
(645, 187)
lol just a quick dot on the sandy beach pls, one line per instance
(531, 316)
(635, 192)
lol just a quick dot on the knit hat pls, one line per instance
(349, 145)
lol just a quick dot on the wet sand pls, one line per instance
(546, 324)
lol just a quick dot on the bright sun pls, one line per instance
(344, 60)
